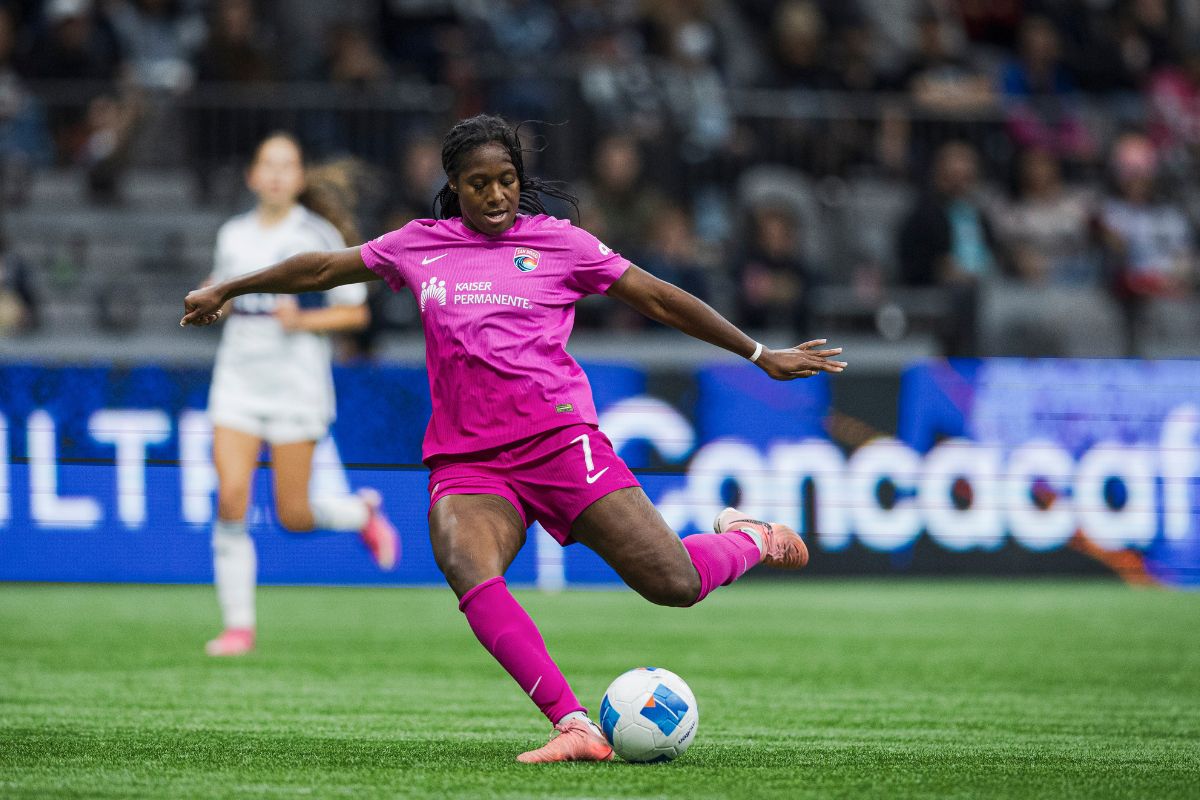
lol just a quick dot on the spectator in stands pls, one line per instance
(78, 46)
(694, 88)
(719, 27)
(941, 79)
(352, 57)
(853, 68)
(1040, 98)
(415, 35)
(111, 124)
(526, 88)
(620, 202)
(75, 45)
(946, 238)
(948, 93)
(946, 241)
(991, 23)
(618, 86)
(1150, 241)
(896, 26)
(18, 303)
(420, 177)
(673, 252)
(158, 39)
(1146, 39)
(236, 50)
(24, 141)
(798, 47)
(462, 73)
(1174, 93)
(1047, 228)
(356, 67)
(1106, 48)
(587, 20)
(235, 53)
(800, 60)
(773, 282)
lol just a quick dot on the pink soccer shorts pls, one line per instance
(551, 477)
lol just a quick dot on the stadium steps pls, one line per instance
(153, 202)
(143, 187)
(1169, 328)
(881, 203)
(1017, 319)
(135, 258)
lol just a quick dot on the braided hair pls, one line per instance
(483, 129)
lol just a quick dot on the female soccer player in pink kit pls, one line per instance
(513, 436)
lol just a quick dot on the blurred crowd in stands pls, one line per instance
(799, 163)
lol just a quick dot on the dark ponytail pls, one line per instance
(484, 129)
(331, 191)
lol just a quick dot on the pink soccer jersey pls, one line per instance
(497, 312)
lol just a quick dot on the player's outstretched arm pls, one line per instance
(306, 272)
(670, 305)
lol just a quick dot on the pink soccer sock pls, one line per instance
(503, 627)
(720, 558)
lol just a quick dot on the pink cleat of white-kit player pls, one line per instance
(231, 642)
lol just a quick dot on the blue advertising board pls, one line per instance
(106, 474)
(1050, 450)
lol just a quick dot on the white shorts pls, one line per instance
(273, 429)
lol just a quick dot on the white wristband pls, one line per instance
(758, 348)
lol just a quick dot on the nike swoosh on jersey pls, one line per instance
(596, 477)
(425, 262)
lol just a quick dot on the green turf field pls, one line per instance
(806, 689)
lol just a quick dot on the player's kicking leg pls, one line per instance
(627, 531)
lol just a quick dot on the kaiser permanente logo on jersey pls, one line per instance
(433, 289)
(467, 294)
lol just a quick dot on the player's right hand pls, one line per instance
(202, 306)
(802, 361)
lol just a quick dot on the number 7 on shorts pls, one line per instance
(587, 458)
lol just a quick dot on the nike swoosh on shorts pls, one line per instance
(596, 477)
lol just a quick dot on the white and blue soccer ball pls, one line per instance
(649, 714)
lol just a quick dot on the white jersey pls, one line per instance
(261, 370)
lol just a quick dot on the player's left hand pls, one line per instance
(802, 361)
(288, 314)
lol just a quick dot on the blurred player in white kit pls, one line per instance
(272, 383)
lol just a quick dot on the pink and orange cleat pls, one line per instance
(572, 740)
(231, 642)
(378, 534)
(780, 546)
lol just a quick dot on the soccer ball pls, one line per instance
(649, 714)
